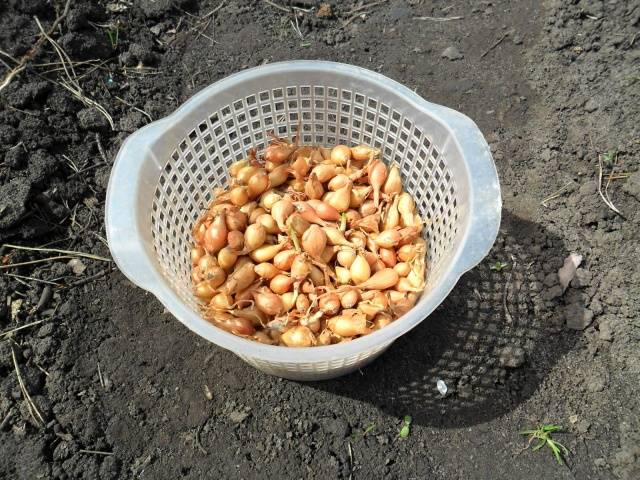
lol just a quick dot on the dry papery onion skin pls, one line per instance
(308, 246)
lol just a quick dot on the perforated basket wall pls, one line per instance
(329, 115)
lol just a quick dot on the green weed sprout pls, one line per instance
(543, 435)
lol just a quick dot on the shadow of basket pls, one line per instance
(490, 342)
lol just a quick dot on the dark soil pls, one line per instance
(121, 385)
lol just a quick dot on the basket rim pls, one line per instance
(133, 259)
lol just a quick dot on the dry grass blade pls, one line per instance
(555, 194)
(275, 5)
(33, 262)
(22, 63)
(605, 194)
(72, 84)
(33, 410)
(56, 250)
(13, 330)
(439, 19)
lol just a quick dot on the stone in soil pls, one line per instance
(577, 317)
(452, 53)
(632, 185)
(92, 119)
(13, 199)
(512, 357)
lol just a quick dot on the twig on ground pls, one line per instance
(100, 376)
(95, 452)
(134, 107)
(285, 9)
(86, 280)
(439, 19)
(33, 279)
(56, 250)
(350, 460)
(33, 410)
(214, 10)
(100, 149)
(505, 293)
(13, 330)
(6, 419)
(495, 44)
(365, 6)
(359, 11)
(24, 60)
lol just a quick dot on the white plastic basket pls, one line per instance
(164, 174)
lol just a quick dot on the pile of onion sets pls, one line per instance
(308, 246)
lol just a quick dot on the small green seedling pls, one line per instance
(405, 430)
(113, 35)
(543, 434)
(498, 266)
(609, 158)
(364, 433)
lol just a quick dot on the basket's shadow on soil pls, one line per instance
(472, 342)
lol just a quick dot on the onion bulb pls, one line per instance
(240, 279)
(324, 210)
(381, 280)
(348, 326)
(278, 175)
(343, 275)
(254, 236)
(363, 152)
(280, 211)
(377, 172)
(266, 270)
(284, 259)
(314, 240)
(299, 336)
(227, 258)
(349, 298)
(393, 183)
(269, 223)
(324, 172)
(388, 256)
(340, 154)
(313, 188)
(268, 302)
(338, 182)
(341, 198)
(278, 153)
(402, 268)
(235, 325)
(388, 238)
(264, 253)
(346, 257)
(215, 236)
(204, 290)
(196, 255)
(257, 184)
(300, 268)
(359, 270)
(281, 283)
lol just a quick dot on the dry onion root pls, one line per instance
(308, 246)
